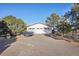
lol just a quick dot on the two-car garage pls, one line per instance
(39, 28)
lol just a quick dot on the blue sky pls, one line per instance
(33, 12)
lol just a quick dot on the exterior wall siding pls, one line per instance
(39, 29)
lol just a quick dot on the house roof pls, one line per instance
(36, 23)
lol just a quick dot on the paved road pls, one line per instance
(40, 45)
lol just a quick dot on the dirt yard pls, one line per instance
(41, 45)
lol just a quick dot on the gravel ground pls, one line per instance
(40, 45)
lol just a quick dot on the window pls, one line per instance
(31, 28)
(40, 28)
(46, 28)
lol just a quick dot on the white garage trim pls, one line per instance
(39, 28)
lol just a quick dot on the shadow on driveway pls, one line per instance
(5, 43)
(59, 37)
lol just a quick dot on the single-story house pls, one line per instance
(39, 28)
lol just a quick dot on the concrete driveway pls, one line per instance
(41, 45)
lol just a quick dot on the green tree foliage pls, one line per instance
(55, 17)
(14, 24)
(52, 20)
(63, 26)
(73, 15)
(75, 8)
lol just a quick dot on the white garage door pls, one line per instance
(40, 30)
